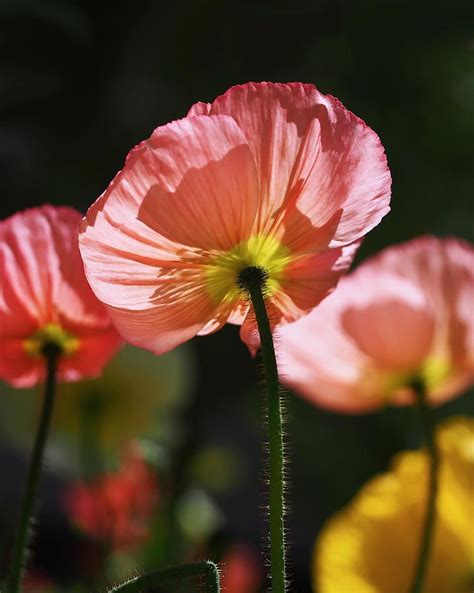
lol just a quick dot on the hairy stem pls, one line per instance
(253, 281)
(20, 547)
(428, 423)
(148, 583)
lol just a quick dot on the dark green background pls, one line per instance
(82, 82)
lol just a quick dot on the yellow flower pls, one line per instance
(371, 545)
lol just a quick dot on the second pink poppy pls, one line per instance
(403, 316)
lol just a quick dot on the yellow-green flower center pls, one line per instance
(431, 374)
(51, 334)
(260, 251)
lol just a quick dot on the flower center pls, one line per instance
(262, 252)
(431, 375)
(51, 334)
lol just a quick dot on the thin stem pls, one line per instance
(148, 583)
(20, 547)
(253, 280)
(428, 422)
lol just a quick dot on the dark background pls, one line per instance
(82, 82)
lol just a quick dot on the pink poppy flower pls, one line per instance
(404, 315)
(276, 176)
(45, 298)
(116, 508)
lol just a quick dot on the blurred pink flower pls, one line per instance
(241, 571)
(116, 508)
(45, 298)
(403, 315)
(276, 176)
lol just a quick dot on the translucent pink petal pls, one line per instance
(444, 270)
(43, 282)
(343, 169)
(396, 313)
(199, 108)
(30, 269)
(188, 190)
(388, 318)
(174, 314)
(206, 188)
(155, 304)
(304, 286)
(318, 360)
(314, 157)
(20, 311)
(263, 159)
(224, 314)
(191, 184)
(311, 279)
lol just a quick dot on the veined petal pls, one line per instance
(45, 296)
(30, 267)
(193, 183)
(314, 157)
(155, 304)
(16, 296)
(342, 167)
(73, 300)
(221, 317)
(186, 194)
(199, 108)
(311, 279)
(43, 272)
(274, 119)
(304, 285)
(266, 175)
(171, 314)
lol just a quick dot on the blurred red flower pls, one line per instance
(241, 571)
(115, 508)
(45, 299)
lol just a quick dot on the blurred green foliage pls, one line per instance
(138, 395)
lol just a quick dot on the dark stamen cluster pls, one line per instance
(51, 348)
(252, 276)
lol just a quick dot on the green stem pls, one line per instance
(253, 281)
(148, 583)
(20, 548)
(428, 422)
